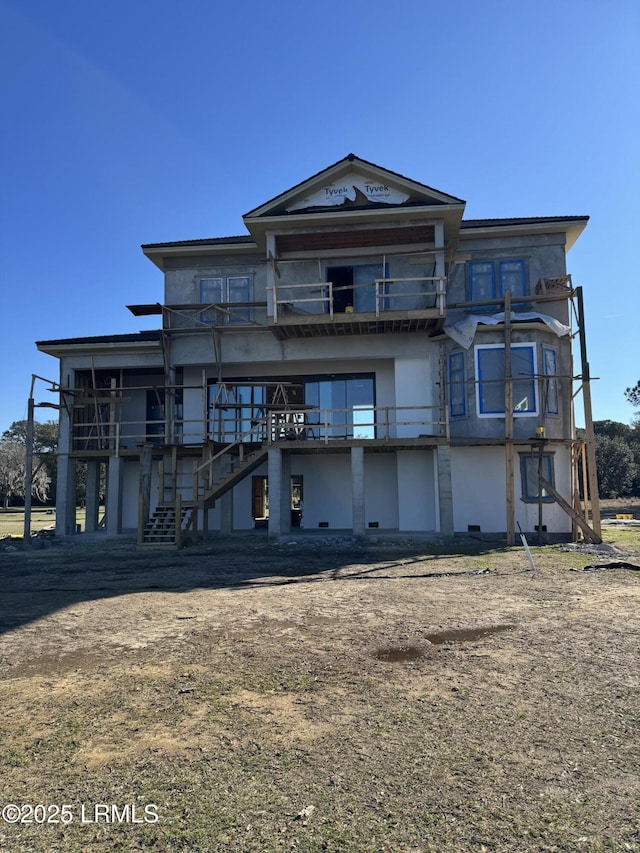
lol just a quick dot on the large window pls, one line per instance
(490, 373)
(226, 289)
(350, 401)
(491, 280)
(344, 407)
(532, 467)
(234, 410)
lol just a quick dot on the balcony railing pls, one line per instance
(380, 297)
(253, 424)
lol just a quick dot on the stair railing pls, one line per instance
(202, 483)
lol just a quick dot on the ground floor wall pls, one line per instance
(422, 490)
(478, 479)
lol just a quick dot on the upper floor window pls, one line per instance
(490, 375)
(457, 387)
(226, 289)
(551, 382)
(492, 279)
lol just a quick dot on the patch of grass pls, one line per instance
(269, 699)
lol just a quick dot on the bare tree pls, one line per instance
(12, 472)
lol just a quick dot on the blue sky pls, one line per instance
(149, 120)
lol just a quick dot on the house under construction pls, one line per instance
(363, 359)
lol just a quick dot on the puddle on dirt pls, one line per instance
(465, 635)
(399, 654)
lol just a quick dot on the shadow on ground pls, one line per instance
(39, 582)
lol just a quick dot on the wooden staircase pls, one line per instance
(239, 467)
(215, 476)
(162, 528)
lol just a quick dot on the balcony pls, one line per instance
(290, 427)
(329, 308)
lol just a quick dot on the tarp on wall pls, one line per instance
(463, 331)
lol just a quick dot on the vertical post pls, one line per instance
(92, 501)
(439, 267)
(585, 480)
(226, 512)
(114, 495)
(508, 423)
(275, 492)
(357, 490)
(114, 425)
(445, 490)
(161, 481)
(174, 472)
(178, 505)
(588, 420)
(144, 488)
(66, 480)
(540, 476)
(575, 488)
(272, 275)
(141, 522)
(28, 470)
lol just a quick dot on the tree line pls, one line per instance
(13, 457)
(618, 452)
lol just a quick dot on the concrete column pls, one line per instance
(285, 493)
(92, 502)
(66, 496)
(445, 491)
(66, 479)
(146, 460)
(274, 469)
(357, 490)
(226, 512)
(114, 495)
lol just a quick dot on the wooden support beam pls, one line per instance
(588, 420)
(508, 424)
(589, 534)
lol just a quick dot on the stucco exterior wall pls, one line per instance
(479, 491)
(416, 490)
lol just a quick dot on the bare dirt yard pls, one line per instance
(398, 697)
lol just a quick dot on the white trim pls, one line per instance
(531, 345)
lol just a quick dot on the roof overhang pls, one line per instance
(159, 252)
(87, 346)
(571, 226)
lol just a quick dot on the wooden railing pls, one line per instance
(287, 300)
(287, 424)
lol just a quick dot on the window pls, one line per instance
(532, 465)
(550, 384)
(511, 275)
(481, 282)
(457, 388)
(234, 410)
(212, 291)
(350, 401)
(220, 290)
(490, 371)
(239, 405)
(489, 280)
